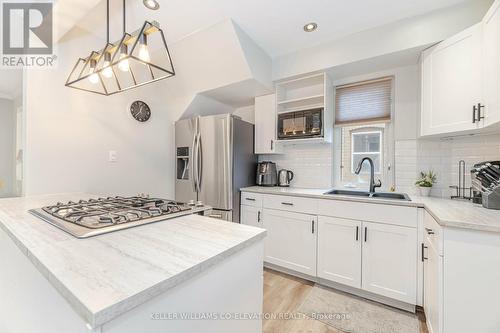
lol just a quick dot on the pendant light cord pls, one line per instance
(124, 30)
(107, 21)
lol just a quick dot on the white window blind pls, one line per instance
(363, 102)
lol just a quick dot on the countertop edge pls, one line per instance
(335, 197)
(99, 318)
(442, 222)
(106, 315)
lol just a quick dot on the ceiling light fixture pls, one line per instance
(151, 4)
(125, 64)
(310, 27)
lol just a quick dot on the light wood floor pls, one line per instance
(284, 294)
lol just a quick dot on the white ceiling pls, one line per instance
(276, 25)
(69, 12)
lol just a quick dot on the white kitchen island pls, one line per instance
(187, 274)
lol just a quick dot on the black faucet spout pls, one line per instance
(373, 185)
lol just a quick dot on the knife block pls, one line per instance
(491, 200)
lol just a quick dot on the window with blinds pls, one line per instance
(363, 102)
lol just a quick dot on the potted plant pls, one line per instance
(425, 182)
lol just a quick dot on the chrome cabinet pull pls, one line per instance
(429, 231)
(357, 233)
(474, 110)
(312, 226)
(479, 107)
(287, 203)
(423, 252)
(258, 216)
(366, 233)
(272, 144)
(250, 199)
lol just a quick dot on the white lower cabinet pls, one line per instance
(378, 256)
(339, 250)
(291, 240)
(433, 264)
(250, 215)
(389, 257)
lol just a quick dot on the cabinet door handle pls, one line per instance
(357, 233)
(272, 144)
(287, 203)
(429, 231)
(479, 107)
(474, 110)
(312, 226)
(366, 233)
(250, 199)
(423, 252)
(258, 216)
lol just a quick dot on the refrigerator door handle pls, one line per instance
(194, 162)
(226, 139)
(199, 157)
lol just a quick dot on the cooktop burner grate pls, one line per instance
(105, 212)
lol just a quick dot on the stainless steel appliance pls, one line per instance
(285, 177)
(214, 159)
(87, 218)
(266, 174)
(485, 178)
(300, 124)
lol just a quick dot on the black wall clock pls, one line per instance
(140, 111)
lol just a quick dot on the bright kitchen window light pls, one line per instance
(363, 128)
(366, 144)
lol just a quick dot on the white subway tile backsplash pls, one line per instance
(313, 163)
(442, 156)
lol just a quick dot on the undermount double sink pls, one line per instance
(376, 195)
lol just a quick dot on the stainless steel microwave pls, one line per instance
(300, 124)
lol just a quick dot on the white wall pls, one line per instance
(70, 132)
(314, 164)
(247, 113)
(7, 144)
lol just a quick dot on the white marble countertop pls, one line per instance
(105, 276)
(447, 212)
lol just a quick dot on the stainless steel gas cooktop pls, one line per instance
(87, 218)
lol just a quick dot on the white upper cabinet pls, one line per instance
(491, 64)
(265, 125)
(452, 84)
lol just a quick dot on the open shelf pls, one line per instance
(301, 103)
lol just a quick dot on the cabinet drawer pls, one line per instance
(388, 214)
(251, 199)
(291, 204)
(433, 233)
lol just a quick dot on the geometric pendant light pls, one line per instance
(137, 59)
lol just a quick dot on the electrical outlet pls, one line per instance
(112, 156)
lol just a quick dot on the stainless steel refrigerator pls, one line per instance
(214, 159)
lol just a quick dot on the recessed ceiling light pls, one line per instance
(310, 27)
(151, 4)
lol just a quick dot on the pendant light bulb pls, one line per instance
(143, 49)
(123, 65)
(94, 78)
(107, 70)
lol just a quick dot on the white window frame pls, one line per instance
(380, 152)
